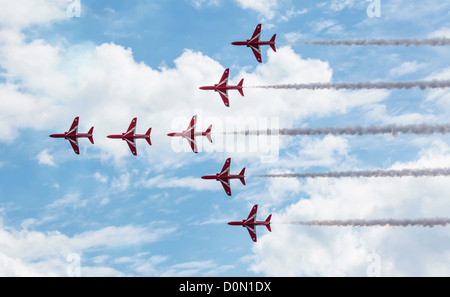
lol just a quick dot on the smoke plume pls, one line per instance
(380, 222)
(424, 129)
(422, 84)
(432, 172)
(381, 42)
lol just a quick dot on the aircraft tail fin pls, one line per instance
(91, 135)
(208, 133)
(241, 90)
(148, 134)
(242, 178)
(268, 221)
(272, 45)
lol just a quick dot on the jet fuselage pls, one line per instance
(217, 88)
(218, 177)
(136, 136)
(248, 43)
(66, 135)
(243, 224)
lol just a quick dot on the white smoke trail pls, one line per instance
(379, 222)
(424, 129)
(422, 84)
(380, 42)
(365, 173)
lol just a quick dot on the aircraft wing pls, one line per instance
(226, 185)
(252, 231)
(191, 126)
(252, 216)
(224, 95)
(257, 52)
(224, 80)
(74, 128)
(226, 168)
(132, 128)
(132, 144)
(74, 143)
(256, 34)
(192, 142)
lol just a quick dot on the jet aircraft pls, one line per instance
(250, 223)
(189, 134)
(222, 87)
(254, 43)
(224, 176)
(73, 135)
(130, 136)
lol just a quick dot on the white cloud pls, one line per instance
(69, 200)
(100, 177)
(32, 253)
(441, 33)
(45, 158)
(266, 8)
(292, 250)
(23, 13)
(406, 68)
(329, 151)
(122, 183)
(201, 3)
(338, 5)
(327, 26)
(195, 268)
(193, 183)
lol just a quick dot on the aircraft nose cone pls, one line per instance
(171, 134)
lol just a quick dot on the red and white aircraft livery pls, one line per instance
(130, 136)
(224, 176)
(250, 223)
(222, 87)
(254, 43)
(190, 134)
(73, 135)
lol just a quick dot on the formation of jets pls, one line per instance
(189, 134)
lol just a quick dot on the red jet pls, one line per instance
(250, 223)
(73, 135)
(224, 176)
(190, 134)
(130, 136)
(254, 43)
(222, 87)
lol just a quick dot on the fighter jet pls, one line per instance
(250, 223)
(73, 135)
(222, 87)
(130, 136)
(224, 176)
(189, 134)
(254, 43)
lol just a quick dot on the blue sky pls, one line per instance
(152, 215)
